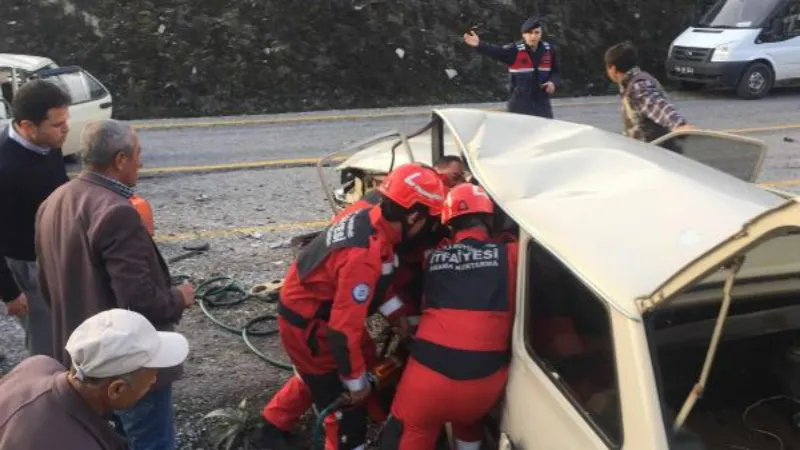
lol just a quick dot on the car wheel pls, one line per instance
(756, 81)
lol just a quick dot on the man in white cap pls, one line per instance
(115, 357)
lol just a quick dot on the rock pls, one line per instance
(203, 57)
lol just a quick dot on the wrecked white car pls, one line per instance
(90, 99)
(658, 297)
(368, 161)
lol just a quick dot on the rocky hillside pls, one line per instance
(212, 57)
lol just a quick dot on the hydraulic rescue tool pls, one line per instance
(383, 379)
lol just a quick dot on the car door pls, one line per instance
(5, 113)
(90, 101)
(556, 399)
(738, 156)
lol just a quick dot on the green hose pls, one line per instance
(318, 441)
(225, 291)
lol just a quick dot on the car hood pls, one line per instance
(713, 37)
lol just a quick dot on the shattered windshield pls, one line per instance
(738, 13)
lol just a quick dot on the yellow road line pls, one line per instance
(265, 163)
(790, 126)
(781, 183)
(298, 226)
(240, 165)
(344, 116)
(261, 164)
(224, 232)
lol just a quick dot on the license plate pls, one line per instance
(684, 70)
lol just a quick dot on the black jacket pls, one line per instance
(26, 179)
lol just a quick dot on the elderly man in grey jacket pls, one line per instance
(95, 254)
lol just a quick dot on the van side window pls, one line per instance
(568, 334)
(791, 22)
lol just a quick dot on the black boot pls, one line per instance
(273, 438)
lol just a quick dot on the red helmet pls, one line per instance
(466, 198)
(414, 183)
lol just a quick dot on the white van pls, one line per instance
(747, 45)
(90, 99)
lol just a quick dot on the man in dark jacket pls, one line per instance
(646, 113)
(95, 254)
(532, 66)
(31, 167)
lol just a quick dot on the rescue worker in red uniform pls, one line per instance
(330, 290)
(533, 69)
(459, 361)
(284, 410)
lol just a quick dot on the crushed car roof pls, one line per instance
(24, 62)
(622, 214)
(378, 157)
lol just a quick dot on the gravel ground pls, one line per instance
(221, 370)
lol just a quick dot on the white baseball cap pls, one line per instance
(118, 341)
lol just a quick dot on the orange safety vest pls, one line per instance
(145, 212)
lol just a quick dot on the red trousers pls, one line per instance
(318, 384)
(426, 400)
(288, 405)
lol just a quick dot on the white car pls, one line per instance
(639, 271)
(90, 99)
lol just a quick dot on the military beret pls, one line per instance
(530, 23)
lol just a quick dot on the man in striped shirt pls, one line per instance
(646, 113)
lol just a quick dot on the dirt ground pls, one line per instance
(221, 370)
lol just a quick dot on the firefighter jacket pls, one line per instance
(337, 280)
(528, 70)
(468, 306)
(407, 282)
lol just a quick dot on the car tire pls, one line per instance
(756, 81)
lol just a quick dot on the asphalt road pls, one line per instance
(290, 136)
(311, 135)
